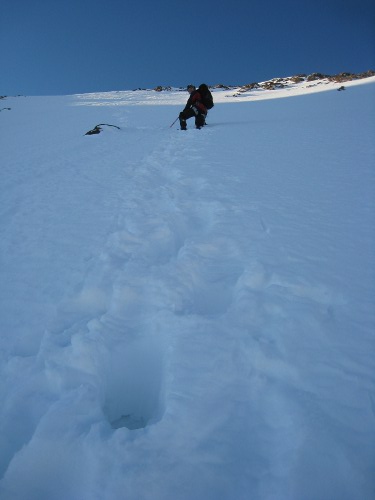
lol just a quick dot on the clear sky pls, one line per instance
(52, 47)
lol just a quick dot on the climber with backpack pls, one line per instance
(197, 105)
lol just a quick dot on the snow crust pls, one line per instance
(188, 315)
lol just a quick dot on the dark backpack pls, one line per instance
(206, 96)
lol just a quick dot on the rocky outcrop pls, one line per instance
(220, 86)
(347, 77)
(316, 76)
(312, 79)
(159, 88)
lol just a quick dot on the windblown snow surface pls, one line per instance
(188, 315)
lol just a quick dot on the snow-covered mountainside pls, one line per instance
(188, 315)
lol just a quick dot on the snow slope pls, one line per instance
(188, 315)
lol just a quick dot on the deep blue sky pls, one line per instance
(51, 47)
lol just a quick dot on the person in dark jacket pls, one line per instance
(194, 108)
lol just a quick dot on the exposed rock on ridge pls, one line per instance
(279, 83)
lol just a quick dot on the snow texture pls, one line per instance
(188, 315)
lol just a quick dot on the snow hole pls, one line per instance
(134, 390)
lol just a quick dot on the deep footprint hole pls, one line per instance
(134, 385)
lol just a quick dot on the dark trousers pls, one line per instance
(190, 113)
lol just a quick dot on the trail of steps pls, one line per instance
(170, 259)
(163, 259)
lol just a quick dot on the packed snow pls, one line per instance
(188, 315)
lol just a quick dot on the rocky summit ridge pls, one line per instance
(280, 83)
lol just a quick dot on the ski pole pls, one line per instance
(174, 122)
